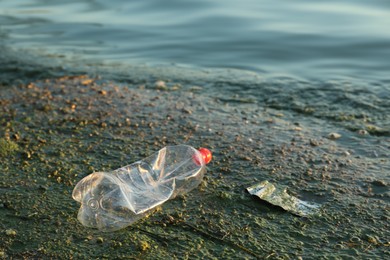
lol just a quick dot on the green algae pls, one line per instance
(8, 147)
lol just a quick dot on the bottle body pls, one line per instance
(114, 200)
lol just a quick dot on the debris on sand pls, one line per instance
(278, 196)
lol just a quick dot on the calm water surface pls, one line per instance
(321, 39)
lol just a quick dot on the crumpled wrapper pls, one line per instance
(278, 196)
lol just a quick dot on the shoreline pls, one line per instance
(67, 127)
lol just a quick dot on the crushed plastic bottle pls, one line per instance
(114, 200)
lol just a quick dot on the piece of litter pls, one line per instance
(279, 197)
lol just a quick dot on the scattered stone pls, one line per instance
(225, 195)
(187, 111)
(314, 142)
(86, 82)
(362, 132)
(372, 240)
(102, 92)
(43, 187)
(10, 232)
(334, 136)
(196, 89)
(379, 183)
(116, 244)
(27, 154)
(128, 121)
(355, 239)
(143, 246)
(176, 87)
(99, 240)
(247, 158)
(376, 130)
(160, 85)
(16, 136)
(46, 108)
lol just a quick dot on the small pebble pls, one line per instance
(160, 85)
(86, 82)
(187, 111)
(379, 183)
(362, 132)
(334, 136)
(176, 87)
(10, 232)
(143, 246)
(355, 239)
(372, 240)
(195, 88)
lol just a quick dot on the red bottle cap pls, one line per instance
(206, 155)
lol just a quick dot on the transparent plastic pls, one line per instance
(114, 200)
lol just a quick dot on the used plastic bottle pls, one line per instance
(114, 200)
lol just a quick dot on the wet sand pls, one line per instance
(56, 131)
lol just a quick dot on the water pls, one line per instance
(263, 83)
(322, 39)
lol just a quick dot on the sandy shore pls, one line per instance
(56, 131)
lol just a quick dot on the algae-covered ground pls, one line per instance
(55, 131)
